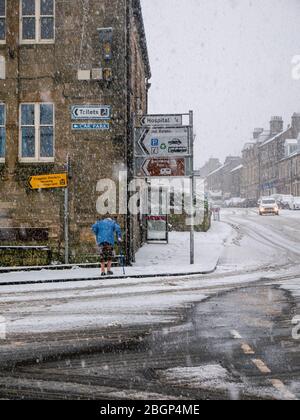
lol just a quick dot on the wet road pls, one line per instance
(236, 345)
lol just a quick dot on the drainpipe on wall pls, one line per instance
(129, 131)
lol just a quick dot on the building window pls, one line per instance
(37, 133)
(2, 67)
(37, 21)
(2, 21)
(2, 132)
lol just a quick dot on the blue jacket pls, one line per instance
(106, 230)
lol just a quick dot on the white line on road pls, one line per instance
(247, 349)
(277, 384)
(236, 335)
(261, 366)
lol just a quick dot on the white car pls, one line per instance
(268, 206)
(285, 201)
(296, 204)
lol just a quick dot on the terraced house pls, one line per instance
(266, 157)
(73, 73)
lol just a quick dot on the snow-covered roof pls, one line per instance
(292, 155)
(237, 168)
(248, 145)
(216, 170)
(291, 142)
(265, 135)
(275, 137)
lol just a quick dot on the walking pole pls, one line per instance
(122, 258)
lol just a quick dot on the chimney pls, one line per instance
(257, 132)
(276, 125)
(296, 124)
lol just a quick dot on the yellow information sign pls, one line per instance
(40, 182)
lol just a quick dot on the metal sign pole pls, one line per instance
(192, 231)
(66, 216)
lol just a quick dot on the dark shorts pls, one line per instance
(106, 252)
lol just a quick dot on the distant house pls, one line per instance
(221, 178)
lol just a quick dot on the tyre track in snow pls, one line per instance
(265, 235)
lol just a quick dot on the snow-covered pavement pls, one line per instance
(151, 260)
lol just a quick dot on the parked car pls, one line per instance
(268, 206)
(235, 202)
(296, 203)
(284, 201)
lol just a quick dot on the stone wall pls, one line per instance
(49, 73)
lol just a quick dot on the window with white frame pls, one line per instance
(2, 132)
(37, 21)
(37, 132)
(2, 67)
(2, 21)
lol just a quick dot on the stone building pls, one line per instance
(55, 55)
(262, 156)
(289, 169)
(250, 175)
(272, 151)
(211, 165)
(220, 180)
(236, 181)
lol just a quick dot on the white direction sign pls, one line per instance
(91, 112)
(163, 142)
(161, 121)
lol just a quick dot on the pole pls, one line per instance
(66, 215)
(129, 131)
(192, 231)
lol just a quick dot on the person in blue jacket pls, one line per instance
(105, 231)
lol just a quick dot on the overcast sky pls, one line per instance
(229, 61)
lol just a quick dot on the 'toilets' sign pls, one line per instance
(91, 112)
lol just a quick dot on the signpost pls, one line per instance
(163, 167)
(161, 121)
(91, 112)
(55, 181)
(40, 182)
(164, 147)
(91, 127)
(172, 141)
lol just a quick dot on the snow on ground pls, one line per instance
(208, 248)
(151, 259)
(101, 303)
(259, 242)
(55, 307)
(212, 377)
(292, 286)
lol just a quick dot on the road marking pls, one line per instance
(277, 384)
(247, 349)
(236, 335)
(261, 366)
